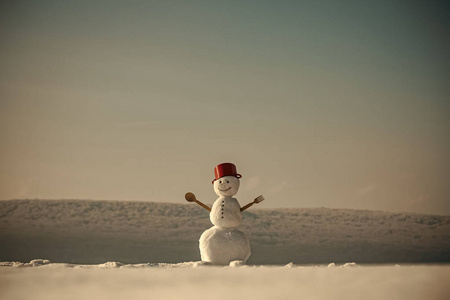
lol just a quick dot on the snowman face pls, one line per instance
(226, 186)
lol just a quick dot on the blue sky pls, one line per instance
(318, 103)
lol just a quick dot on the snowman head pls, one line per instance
(226, 186)
(226, 182)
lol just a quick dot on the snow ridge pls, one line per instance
(94, 232)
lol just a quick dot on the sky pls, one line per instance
(340, 104)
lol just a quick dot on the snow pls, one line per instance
(223, 245)
(114, 280)
(142, 250)
(226, 186)
(93, 232)
(226, 212)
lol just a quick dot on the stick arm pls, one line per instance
(257, 200)
(247, 206)
(203, 205)
(190, 197)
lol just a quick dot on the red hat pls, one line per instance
(225, 169)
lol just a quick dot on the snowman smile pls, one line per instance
(225, 190)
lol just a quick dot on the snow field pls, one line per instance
(106, 281)
(92, 232)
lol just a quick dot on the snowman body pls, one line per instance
(224, 243)
(226, 212)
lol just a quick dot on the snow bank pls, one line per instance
(93, 232)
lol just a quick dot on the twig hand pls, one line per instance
(257, 200)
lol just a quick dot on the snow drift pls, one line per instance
(93, 232)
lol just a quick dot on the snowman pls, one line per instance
(224, 244)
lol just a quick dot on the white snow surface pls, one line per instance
(114, 280)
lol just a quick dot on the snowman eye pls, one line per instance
(220, 181)
(228, 181)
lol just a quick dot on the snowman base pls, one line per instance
(221, 246)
